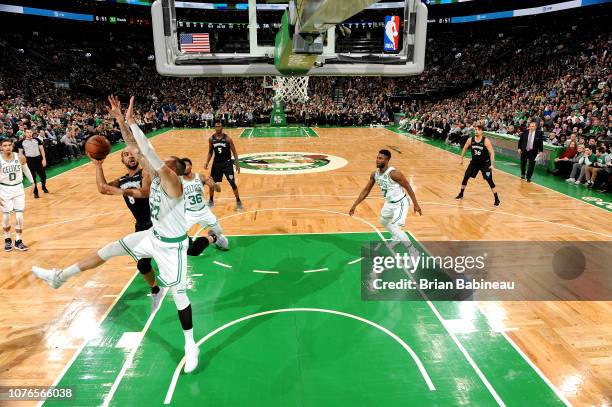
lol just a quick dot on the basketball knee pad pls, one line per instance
(19, 220)
(113, 249)
(180, 297)
(144, 266)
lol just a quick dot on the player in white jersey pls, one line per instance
(394, 187)
(166, 241)
(197, 210)
(12, 197)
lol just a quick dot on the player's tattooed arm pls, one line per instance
(363, 195)
(25, 168)
(133, 131)
(210, 182)
(489, 147)
(468, 143)
(235, 154)
(398, 177)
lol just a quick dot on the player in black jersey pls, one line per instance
(134, 187)
(483, 158)
(222, 146)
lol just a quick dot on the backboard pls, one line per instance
(289, 37)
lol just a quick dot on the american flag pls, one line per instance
(197, 42)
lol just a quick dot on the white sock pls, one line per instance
(7, 234)
(17, 236)
(68, 272)
(189, 337)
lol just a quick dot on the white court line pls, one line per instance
(197, 275)
(316, 270)
(433, 308)
(222, 264)
(80, 349)
(265, 271)
(399, 340)
(526, 358)
(130, 359)
(355, 261)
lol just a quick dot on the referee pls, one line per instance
(34, 152)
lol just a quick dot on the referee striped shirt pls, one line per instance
(30, 147)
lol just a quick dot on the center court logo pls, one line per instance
(286, 163)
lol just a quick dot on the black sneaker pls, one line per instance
(45, 190)
(459, 197)
(20, 246)
(528, 179)
(8, 245)
(522, 176)
(211, 204)
(497, 202)
(36, 194)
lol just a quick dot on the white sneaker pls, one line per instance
(191, 357)
(222, 242)
(51, 276)
(577, 182)
(570, 180)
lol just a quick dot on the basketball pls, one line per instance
(98, 147)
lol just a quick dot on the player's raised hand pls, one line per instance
(417, 209)
(129, 113)
(114, 108)
(97, 163)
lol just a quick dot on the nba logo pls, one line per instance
(391, 33)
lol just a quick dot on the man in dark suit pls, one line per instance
(530, 146)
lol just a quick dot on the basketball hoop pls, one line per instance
(291, 89)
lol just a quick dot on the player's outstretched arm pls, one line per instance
(398, 177)
(467, 145)
(363, 195)
(489, 147)
(114, 110)
(235, 154)
(25, 168)
(210, 182)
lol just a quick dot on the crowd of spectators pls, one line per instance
(56, 84)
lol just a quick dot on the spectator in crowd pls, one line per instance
(564, 163)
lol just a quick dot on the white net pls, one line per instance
(291, 88)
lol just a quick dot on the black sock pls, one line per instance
(197, 246)
(155, 289)
(185, 317)
(495, 195)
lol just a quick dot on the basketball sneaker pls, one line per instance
(8, 244)
(221, 242)
(51, 276)
(191, 357)
(20, 246)
(211, 204)
(239, 206)
(459, 197)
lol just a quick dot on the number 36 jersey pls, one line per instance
(391, 190)
(193, 190)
